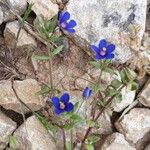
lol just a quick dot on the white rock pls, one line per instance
(44, 8)
(25, 40)
(147, 147)
(135, 124)
(33, 136)
(18, 6)
(1, 15)
(26, 91)
(145, 95)
(108, 19)
(7, 126)
(116, 141)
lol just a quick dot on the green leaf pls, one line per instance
(91, 123)
(69, 126)
(36, 57)
(58, 50)
(111, 92)
(109, 70)
(134, 86)
(118, 98)
(93, 139)
(89, 147)
(116, 83)
(96, 64)
(68, 146)
(76, 105)
(98, 87)
(13, 142)
(44, 90)
(75, 118)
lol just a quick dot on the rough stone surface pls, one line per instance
(147, 147)
(25, 40)
(135, 124)
(33, 136)
(7, 126)
(116, 141)
(110, 20)
(1, 15)
(26, 91)
(44, 8)
(145, 95)
(18, 6)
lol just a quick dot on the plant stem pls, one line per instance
(50, 65)
(64, 139)
(71, 135)
(98, 115)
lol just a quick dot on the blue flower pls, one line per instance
(62, 104)
(87, 92)
(65, 23)
(103, 50)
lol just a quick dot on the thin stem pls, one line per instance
(50, 65)
(71, 135)
(80, 106)
(96, 118)
(64, 139)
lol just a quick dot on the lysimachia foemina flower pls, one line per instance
(62, 104)
(65, 23)
(103, 50)
(87, 92)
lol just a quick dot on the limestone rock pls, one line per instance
(111, 20)
(145, 95)
(135, 124)
(18, 6)
(44, 8)
(25, 41)
(7, 126)
(116, 141)
(1, 15)
(147, 147)
(26, 91)
(32, 136)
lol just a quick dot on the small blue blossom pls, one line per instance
(87, 92)
(104, 50)
(62, 104)
(65, 23)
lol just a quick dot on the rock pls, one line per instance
(127, 98)
(110, 20)
(144, 97)
(26, 91)
(1, 15)
(7, 126)
(135, 124)
(116, 141)
(25, 41)
(18, 6)
(44, 8)
(33, 136)
(147, 147)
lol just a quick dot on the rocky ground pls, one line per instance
(121, 129)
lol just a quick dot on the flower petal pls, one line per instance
(65, 98)
(64, 17)
(71, 24)
(110, 56)
(87, 92)
(55, 102)
(99, 57)
(95, 49)
(58, 111)
(70, 30)
(111, 48)
(102, 43)
(69, 107)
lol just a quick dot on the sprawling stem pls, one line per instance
(64, 139)
(98, 115)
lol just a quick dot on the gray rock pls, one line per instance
(33, 136)
(135, 124)
(1, 15)
(110, 20)
(145, 95)
(44, 8)
(26, 91)
(147, 147)
(7, 126)
(25, 40)
(116, 141)
(17, 6)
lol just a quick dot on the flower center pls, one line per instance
(62, 105)
(103, 51)
(64, 24)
